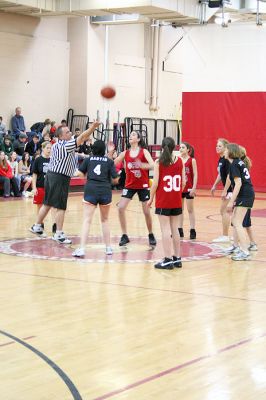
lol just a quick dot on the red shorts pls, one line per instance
(38, 198)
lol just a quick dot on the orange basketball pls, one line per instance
(108, 92)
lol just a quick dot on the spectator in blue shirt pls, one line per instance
(17, 123)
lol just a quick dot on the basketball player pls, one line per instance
(242, 197)
(191, 174)
(100, 169)
(138, 162)
(168, 182)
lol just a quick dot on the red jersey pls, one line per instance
(169, 190)
(189, 175)
(136, 177)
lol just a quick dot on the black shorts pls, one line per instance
(247, 219)
(56, 190)
(144, 194)
(246, 202)
(102, 199)
(168, 211)
(186, 195)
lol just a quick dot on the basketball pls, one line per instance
(150, 182)
(108, 92)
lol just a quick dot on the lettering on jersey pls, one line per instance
(45, 168)
(134, 168)
(96, 158)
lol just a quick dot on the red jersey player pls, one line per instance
(137, 163)
(168, 181)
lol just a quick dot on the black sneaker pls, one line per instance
(177, 262)
(152, 240)
(166, 263)
(192, 234)
(42, 225)
(181, 232)
(54, 228)
(124, 240)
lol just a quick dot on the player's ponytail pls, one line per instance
(243, 155)
(168, 145)
(141, 143)
(190, 148)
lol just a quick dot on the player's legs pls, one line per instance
(237, 221)
(147, 215)
(42, 213)
(175, 235)
(166, 234)
(191, 213)
(104, 213)
(225, 217)
(122, 205)
(88, 211)
(181, 216)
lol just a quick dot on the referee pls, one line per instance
(61, 168)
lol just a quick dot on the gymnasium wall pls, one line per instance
(224, 95)
(34, 67)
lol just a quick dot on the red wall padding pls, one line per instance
(239, 117)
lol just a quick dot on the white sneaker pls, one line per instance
(61, 239)
(25, 194)
(78, 253)
(221, 239)
(37, 230)
(232, 250)
(108, 251)
(241, 256)
(253, 247)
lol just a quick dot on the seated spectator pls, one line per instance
(53, 129)
(46, 138)
(47, 126)
(34, 145)
(24, 172)
(17, 124)
(14, 165)
(19, 145)
(63, 123)
(7, 177)
(2, 129)
(7, 146)
(85, 150)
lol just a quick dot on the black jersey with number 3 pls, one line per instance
(238, 169)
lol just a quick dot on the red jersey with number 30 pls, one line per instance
(136, 177)
(169, 190)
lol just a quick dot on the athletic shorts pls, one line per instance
(168, 211)
(245, 202)
(186, 195)
(102, 199)
(247, 219)
(56, 190)
(144, 194)
(38, 198)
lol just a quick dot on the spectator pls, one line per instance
(7, 177)
(24, 172)
(53, 129)
(46, 127)
(85, 150)
(7, 146)
(63, 123)
(17, 123)
(14, 165)
(19, 145)
(2, 128)
(34, 145)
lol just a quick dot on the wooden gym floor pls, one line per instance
(114, 327)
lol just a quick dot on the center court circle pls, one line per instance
(137, 251)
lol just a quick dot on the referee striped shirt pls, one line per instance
(63, 159)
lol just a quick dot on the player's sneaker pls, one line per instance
(166, 263)
(124, 240)
(108, 251)
(37, 229)
(193, 234)
(177, 262)
(232, 250)
(253, 246)
(181, 232)
(78, 253)
(152, 240)
(221, 239)
(61, 238)
(241, 256)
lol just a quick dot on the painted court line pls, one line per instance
(136, 287)
(13, 342)
(178, 367)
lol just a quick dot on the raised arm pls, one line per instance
(86, 134)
